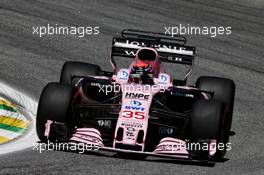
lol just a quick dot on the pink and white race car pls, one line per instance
(140, 110)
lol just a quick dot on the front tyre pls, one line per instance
(223, 90)
(54, 105)
(206, 124)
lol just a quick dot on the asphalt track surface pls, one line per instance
(28, 62)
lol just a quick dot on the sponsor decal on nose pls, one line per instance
(135, 103)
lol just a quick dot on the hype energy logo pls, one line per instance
(135, 105)
(12, 122)
(137, 96)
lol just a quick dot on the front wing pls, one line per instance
(92, 137)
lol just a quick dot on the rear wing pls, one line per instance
(170, 49)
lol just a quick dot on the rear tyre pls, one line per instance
(54, 104)
(71, 69)
(206, 124)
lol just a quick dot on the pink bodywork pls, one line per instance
(133, 119)
(132, 116)
(89, 136)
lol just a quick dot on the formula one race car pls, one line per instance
(140, 110)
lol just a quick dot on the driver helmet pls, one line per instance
(143, 61)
